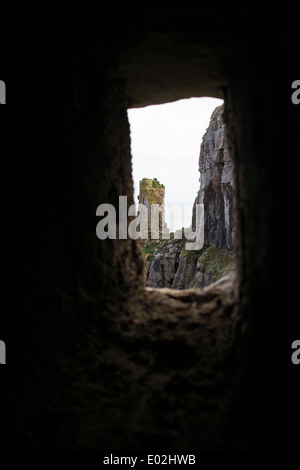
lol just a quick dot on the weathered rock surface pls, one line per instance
(162, 265)
(216, 184)
(152, 197)
(168, 263)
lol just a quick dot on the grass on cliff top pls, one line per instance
(218, 263)
(155, 183)
(150, 246)
(187, 253)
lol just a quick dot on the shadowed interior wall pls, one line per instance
(96, 361)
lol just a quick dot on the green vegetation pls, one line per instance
(190, 255)
(150, 246)
(187, 253)
(156, 184)
(217, 262)
(145, 183)
(150, 195)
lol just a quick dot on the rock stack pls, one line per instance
(168, 264)
(152, 197)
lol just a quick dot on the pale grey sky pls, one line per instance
(165, 144)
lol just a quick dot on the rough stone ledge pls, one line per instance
(223, 286)
(195, 316)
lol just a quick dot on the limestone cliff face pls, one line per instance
(162, 262)
(168, 263)
(216, 184)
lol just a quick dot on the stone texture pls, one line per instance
(217, 184)
(184, 270)
(94, 360)
(185, 274)
(161, 270)
(152, 197)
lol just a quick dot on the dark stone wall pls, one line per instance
(93, 360)
(265, 121)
